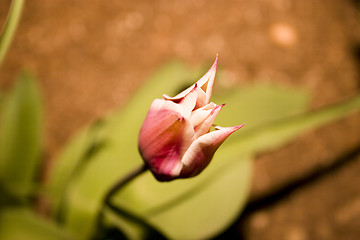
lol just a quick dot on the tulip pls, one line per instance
(175, 140)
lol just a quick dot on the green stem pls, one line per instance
(10, 27)
(124, 181)
(151, 231)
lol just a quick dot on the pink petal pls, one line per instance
(189, 101)
(200, 152)
(164, 138)
(200, 102)
(206, 83)
(200, 114)
(205, 126)
(161, 104)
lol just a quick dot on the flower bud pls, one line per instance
(175, 140)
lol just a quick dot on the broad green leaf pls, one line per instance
(11, 23)
(196, 208)
(280, 132)
(171, 211)
(120, 136)
(272, 117)
(21, 223)
(259, 104)
(129, 228)
(71, 161)
(21, 126)
(120, 156)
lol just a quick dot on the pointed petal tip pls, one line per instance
(231, 129)
(235, 128)
(240, 126)
(214, 66)
(217, 108)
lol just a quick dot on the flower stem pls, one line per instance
(122, 182)
(150, 230)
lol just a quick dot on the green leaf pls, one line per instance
(21, 137)
(119, 156)
(71, 162)
(11, 23)
(195, 208)
(276, 134)
(188, 208)
(182, 205)
(260, 104)
(21, 223)
(120, 142)
(268, 103)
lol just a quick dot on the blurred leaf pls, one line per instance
(120, 134)
(270, 136)
(189, 208)
(195, 208)
(129, 228)
(149, 197)
(8, 31)
(21, 137)
(259, 104)
(120, 156)
(71, 162)
(21, 223)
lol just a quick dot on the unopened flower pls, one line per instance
(175, 140)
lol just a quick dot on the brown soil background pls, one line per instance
(91, 56)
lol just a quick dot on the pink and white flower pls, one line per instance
(175, 140)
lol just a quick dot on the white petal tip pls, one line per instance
(166, 97)
(231, 129)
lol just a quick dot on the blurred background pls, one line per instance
(91, 56)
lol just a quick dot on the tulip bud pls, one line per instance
(175, 140)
